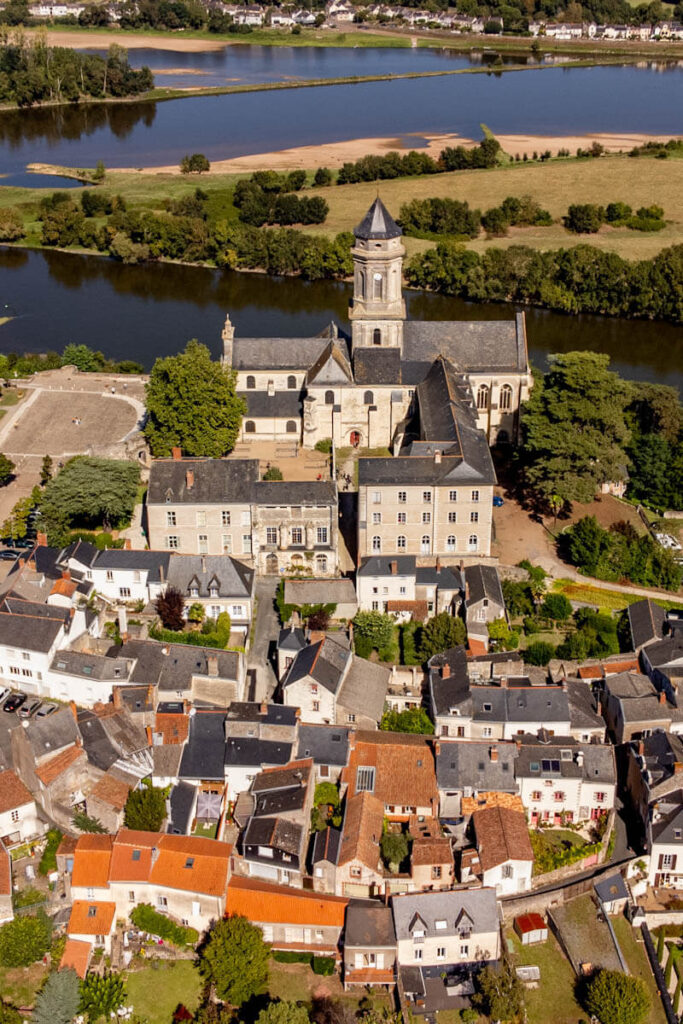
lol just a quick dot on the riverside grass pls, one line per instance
(554, 184)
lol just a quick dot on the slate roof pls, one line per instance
(483, 582)
(47, 735)
(204, 752)
(90, 666)
(582, 707)
(30, 626)
(340, 591)
(263, 714)
(669, 830)
(611, 888)
(182, 801)
(646, 619)
(326, 845)
(474, 467)
(377, 223)
(380, 565)
(282, 404)
(331, 367)
(249, 750)
(453, 690)
(445, 403)
(377, 366)
(629, 685)
(216, 481)
(133, 559)
(325, 662)
(364, 688)
(663, 653)
(278, 353)
(276, 832)
(592, 762)
(470, 764)
(480, 345)
(368, 925)
(326, 744)
(233, 578)
(479, 905)
(446, 577)
(174, 669)
(291, 639)
(520, 704)
(295, 492)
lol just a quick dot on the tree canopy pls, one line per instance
(89, 492)
(24, 940)
(440, 633)
(574, 429)
(283, 1012)
(413, 720)
(58, 1000)
(234, 959)
(192, 405)
(145, 809)
(616, 998)
(499, 992)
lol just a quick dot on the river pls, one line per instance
(543, 101)
(141, 312)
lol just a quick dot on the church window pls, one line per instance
(376, 543)
(473, 542)
(329, 398)
(368, 398)
(377, 286)
(250, 427)
(291, 426)
(506, 398)
(291, 382)
(425, 545)
(251, 383)
(450, 543)
(377, 336)
(483, 396)
(401, 543)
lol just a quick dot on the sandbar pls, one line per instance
(87, 40)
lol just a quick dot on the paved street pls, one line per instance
(266, 629)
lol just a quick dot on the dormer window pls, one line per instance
(194, 591)
(488, 707)
(213, 591)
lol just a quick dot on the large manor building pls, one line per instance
(435, 395)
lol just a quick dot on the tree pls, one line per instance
(24, 940)
(101, 995)
(442, 632)
(616, 998)
(413, 720)
(556, 606)
(16, 526)
(90, 492)
(322, 177)
(506, 639)
(84, 823)
(584, 218)
(196, 612)
(273, 473)
(499, 994)
(574, 428)
(145, 809)
(234, 959)
(394, 849)
(192, 405)
(6, 470)
(46, 470)
(195, 164)
(283, 1012)
(58, 1000)
(11, 225)
(539, 653)
(374, 628)
(170, 605)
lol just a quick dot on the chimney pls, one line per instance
(73, 709)
(662, 697)
(203, 564)
(437, 748)
(445, 670)
(127, 545)
(189, 479)
(162, 573)
(212, 665)
(641, 748)
(22, 562)
(177, 454)
(493, 754)
(263, 710)
(438, 565)
(467, 591)
(437, 457)
(503, 682)
(66, 574)
(393, 566)
(678, 767)
(123, 624)
(271, 389)
(41, 540)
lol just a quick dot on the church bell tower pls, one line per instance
(377, 309)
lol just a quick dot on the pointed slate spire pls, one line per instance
(377, 223)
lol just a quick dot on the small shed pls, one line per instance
(612, 893)
(531, 928)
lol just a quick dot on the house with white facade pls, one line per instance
(566, 783)
(19, 819)
(407, 590)
(505, 854)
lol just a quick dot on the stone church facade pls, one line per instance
(359, 389)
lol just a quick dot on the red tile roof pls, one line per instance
(50, 770)
(91, 917)
(13, 792)
(5, 872)
(280, 904)
(92, 858)
(362, 831)
(76, 955)
(405, 774)
(502, 835)
(172, 728)
(131, 859)
(112, 790)
(192, 863)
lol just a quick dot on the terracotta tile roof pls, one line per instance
(362, 831)
(131, 859)
(91, 917)
(369, 976)
(76, 955)
(511, 801)
(475, 647)
(280, 904)
(13, 792)
(405, 773)
(92, 858)
(57, 765)
(430, 846)
(608, 668)
(590, 672)
(5, 872)
(67, 588)
(502, 835)
(192, 863)
(172, 728)
(112, 790)
(67, 846)
(419, 610)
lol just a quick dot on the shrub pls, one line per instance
(147, 919)
(287, 956)
(11, 225)
(616, 998)
(102, 995)
(48, 861)
(556, 606)
(539, 653)
(24, 940)
(322, 177)
(323, 965)
(584, 218)
(273, 473)
(324, 445)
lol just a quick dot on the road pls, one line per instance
(266, 628)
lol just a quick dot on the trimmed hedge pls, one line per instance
(147, 919)
(323, 965)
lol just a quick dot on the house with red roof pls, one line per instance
(19, 819)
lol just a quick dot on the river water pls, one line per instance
(141, 312)
(543, 101)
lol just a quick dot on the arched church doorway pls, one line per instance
(271, 564)
(354, 438)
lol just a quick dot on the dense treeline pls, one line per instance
(582, 279)
(269, 198)
(85, 359)
(398, 165)
(587, 218)
(425, 217)
(619, 554)
(32, 72)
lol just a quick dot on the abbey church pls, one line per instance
(360, 389)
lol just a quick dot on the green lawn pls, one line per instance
(18, 985)
(156, 990)
(298, 983)
(554, 999)
(207, 831)
(638, 964)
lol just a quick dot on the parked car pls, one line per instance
(4, 694)
(498, 501)
(45, 709)
(14, 702)
(8, 555)
(29, 708)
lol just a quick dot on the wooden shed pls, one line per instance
(531, 928)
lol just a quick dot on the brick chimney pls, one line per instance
(503, 682)
(177, 454)
(123, 625)
(127, 544)
(641, 748)
(393, 567)
(41, 540)
(66, 574)
(263, 710)
(662, 697)
(189, 479)
(437, 748)
(678, 767)
(493, 754)
(212, 665)
(438, 565)
(445, 671)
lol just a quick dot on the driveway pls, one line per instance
(263, 679)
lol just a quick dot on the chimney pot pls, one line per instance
(662, 697)
(41, 540)
(66, 574)
(189, 479)
(504, 682)
(263, 709)
(445, 670)
(437, 457)
(641, 748)
(438, 564)
(393, 566)
(177, 454)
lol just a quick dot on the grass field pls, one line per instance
(18, 985)
(554, 999)
(638, 964)
(605, 600)
(155, 991)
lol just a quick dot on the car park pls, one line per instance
(46, 709)
(29, 708)
(14, 702)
